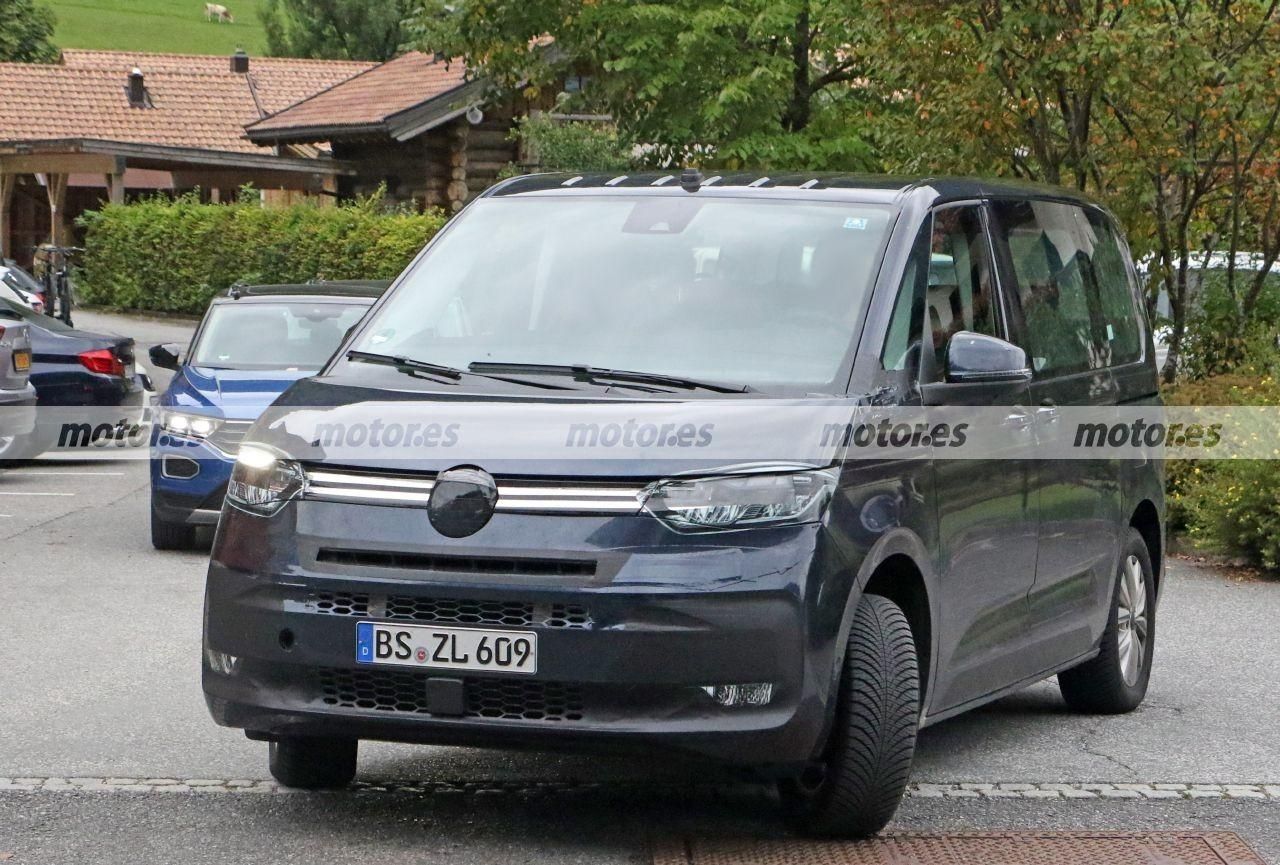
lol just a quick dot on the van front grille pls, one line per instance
(523, 567)
(452, 611)
(495, 699)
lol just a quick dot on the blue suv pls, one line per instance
(250, 346)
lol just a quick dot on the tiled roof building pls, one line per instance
(103, 124)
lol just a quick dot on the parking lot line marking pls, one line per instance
(5, 493)
(64, 474)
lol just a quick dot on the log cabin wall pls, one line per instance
(444, 167)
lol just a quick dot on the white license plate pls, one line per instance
(434, 648)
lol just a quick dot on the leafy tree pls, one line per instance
(26, 33)
(334, 29)
(754, 82)
(1166, 109)
(552, 144)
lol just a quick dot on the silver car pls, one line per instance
(17, 396)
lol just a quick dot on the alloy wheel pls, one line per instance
(1131, 620)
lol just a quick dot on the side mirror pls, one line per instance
(975, 357)
(166, 356)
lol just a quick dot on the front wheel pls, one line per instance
(171, 536)
(867, 762)
(1116, 680)
(313, 763)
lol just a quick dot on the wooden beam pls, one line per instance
(7, 184)
(55, 187)
(115, 188)
(234, 179)
(60, 163)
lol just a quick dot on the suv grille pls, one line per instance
(229, 434)
(502, 699)
(452, 611)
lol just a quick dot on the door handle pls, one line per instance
(1019, 420)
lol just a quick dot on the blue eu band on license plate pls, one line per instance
(443, 648)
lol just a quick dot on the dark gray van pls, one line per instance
(804, 617)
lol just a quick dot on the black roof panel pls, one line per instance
(335, 288)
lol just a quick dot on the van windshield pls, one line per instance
(728, 290)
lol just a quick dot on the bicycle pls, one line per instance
(59, 295)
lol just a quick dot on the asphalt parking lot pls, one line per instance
(102, 720)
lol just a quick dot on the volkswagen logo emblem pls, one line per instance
(462, 501)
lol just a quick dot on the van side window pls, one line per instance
(961, 294)
(906, 324)
(1073, 285)
(1118, 290)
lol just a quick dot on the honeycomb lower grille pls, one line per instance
(498, 699)
(452, 611)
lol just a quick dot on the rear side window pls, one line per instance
(1074, 286)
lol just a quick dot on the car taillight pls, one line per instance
(102, 360)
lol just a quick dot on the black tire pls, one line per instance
(873, 737)
(313, 763)
(171, 536)
(1101, 685)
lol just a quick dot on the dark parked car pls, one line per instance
(75, 368)
(804, 617)
(250, 346)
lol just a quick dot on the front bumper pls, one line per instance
(623, 655)
(188, 480)
(18, 411)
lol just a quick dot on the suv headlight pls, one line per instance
(761, 497)
(193, 425)
(263, 481)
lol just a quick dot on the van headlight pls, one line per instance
(740, 501)
(192, 425)
(263, 481)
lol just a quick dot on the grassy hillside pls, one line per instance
(157, 25)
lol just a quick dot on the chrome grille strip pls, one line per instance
(568, 505)
(368, 481)
(513, 496)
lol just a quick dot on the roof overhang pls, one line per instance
(65, 155)
(401, 126)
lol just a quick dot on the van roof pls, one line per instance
(821, 185)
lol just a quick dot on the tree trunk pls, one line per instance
(797, 113)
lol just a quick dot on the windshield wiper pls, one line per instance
(406, 364)
(582, 372)
(411, 366)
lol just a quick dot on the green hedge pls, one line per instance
(173, 255)
(1228, 506)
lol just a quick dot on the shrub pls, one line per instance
(1230, 506)
(558, 145)
(174, 255)
(1235, 508)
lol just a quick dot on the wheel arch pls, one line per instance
(897, 567)
(1146, 520)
